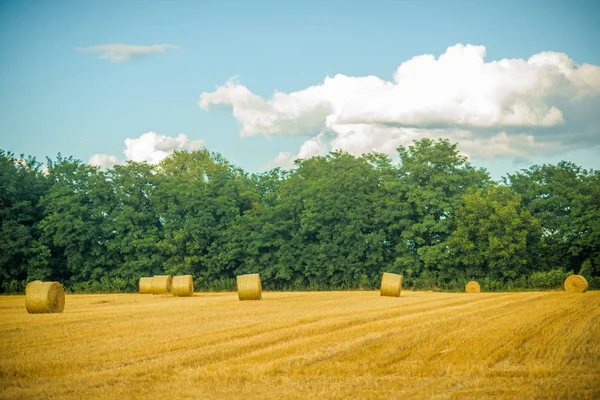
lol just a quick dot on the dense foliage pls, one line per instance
(333, 222)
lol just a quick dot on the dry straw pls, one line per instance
(29, 285)
(576, 284)
(183, 285)
(391, 284)
(472, 287)
(44, 297)
(161, 284)
(249, 287)
(145, 285)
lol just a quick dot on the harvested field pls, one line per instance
(334, 345)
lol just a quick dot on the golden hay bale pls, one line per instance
(183, 285)
(146, 285)
(391, 284)
(249, 287)
(576, 284)
(161, 284)
(472, 287)
(29, 284)
(44, 297)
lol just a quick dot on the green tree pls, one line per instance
(134, 225)
(76, 225)
(199, 197)
(22, 256)
(566, 199)
(319, 227)
(433, 178)
(494, 236)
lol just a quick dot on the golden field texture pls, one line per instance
(330, 345)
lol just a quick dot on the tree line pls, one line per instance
(333, 222)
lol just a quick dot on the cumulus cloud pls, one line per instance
(103, 161)
(510, 107)
(123, 52)
(312, 147)
(153, 148)
(149, 147)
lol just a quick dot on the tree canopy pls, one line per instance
(332, 222)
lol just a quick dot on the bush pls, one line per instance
(594, 283)
(492, 285)
(13, 286)
(426, 281)
(217, 285)
(365, 283)
(104, 285)
(552, 279)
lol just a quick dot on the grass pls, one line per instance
(336, 345)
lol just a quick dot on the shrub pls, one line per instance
(552, 279)
(492, 285)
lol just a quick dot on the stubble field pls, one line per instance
(338, 345)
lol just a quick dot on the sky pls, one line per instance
(514, 83)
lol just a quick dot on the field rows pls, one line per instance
(305, 345)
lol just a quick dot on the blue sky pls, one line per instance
(55, 97)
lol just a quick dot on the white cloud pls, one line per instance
(504, 145)
(153, 148)
(149, 147)
(123, 52)
(510, 107)
(312, 147)
(103, 161)
(284, 160)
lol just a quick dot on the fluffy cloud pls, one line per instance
(153, 148)
(103, 161)
(123, 52)
(312, 147)
(150, 147)
(510, 107)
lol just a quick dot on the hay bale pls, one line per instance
(576, 284)
(161, 284)
(183, 285)
(249, 287)
(44, 297)
(472, 287)
(391, 284)
(29, 284)
(146, 285)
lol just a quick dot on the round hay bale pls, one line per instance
(29, 284)
(391, 285)
(44, 297)
(161, 284)
(472, 287)
(146, 285)
(576, 284)
(249, 287)
(183, 285)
